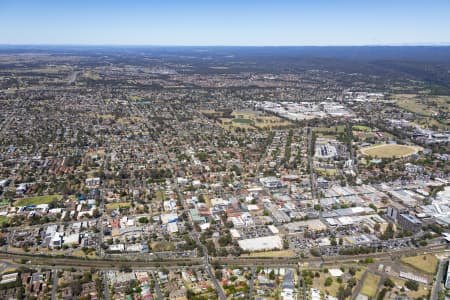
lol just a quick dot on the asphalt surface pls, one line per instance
(437, 285)
(157, 287)
(106, 295)
(359, 285)
(252, 284)
(54, 284)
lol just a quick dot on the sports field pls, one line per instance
(37, 200)
(389, 151)
(243, 121)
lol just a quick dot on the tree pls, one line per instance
(388, 233)
(225, 240)
(333, 242)
(328, 281)
(376, 227)
(272, 275)
(315, 252)
(285, 244)
(412, 285)
(143, 220)
(389, 283)
(218, 274)
(382, 294)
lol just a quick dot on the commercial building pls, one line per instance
(261, 243)
(409, 222)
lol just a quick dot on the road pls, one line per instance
(208, 268)
(359, 284)
(302, 289)
(252, 284)
(157, 287)
(55, 284)
(106, 295)
(437, 285)
(351, 150)
(72, 77)
(311, 164)
(195, 235)
(100, 226)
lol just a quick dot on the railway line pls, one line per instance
(47, 260)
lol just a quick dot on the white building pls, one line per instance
(262, 243)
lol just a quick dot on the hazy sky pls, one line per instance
(227, 22)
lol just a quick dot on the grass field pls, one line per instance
(37, 200)
(80, 253)
(281, 253)
(329, 172)
(91, 75)
(361, 128)
(160, 196)
(319, 283)
(370, 285)
(243, 121)
(163, 246)
(332, 129)
(427, 106)
(389, 151)
(118, 205)
(425, 263)
(414, 105)
(247, 120)
(3, 220)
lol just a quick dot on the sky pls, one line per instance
(220, 22)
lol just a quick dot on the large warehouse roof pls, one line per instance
(262, 243)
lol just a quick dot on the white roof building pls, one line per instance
(273, 229)
(235, 233)
(169, 218)
(172, 227)
(262, 243)
(335, 272)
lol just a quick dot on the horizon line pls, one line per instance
(231, 45)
